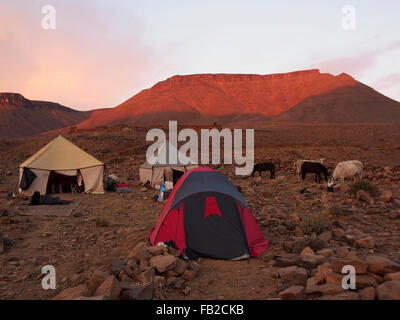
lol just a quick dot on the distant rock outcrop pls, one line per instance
(21, 117)
(234, 97)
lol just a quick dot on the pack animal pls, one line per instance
(298, 163)
(313, 167)
(346, 169)
(266, 166)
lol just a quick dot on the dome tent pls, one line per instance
(205, 215)
(61, 157)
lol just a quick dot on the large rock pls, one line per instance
(381, 265)
(306, 250)
(147, 275)
(292, 293)
(110, 288)
(367, 242)
(338, 264)
(293, 275)
(117, 266)
(392, 276)
(367, 293)
(364, 281)
(96, 279)
(334, 278)
(364, 196)
(157, 250)
(329, 288)
(72, 293)
(387, 196)
(389, 290)
(311, 261)
(326, 236)
(139, 252)
(163, 263)
(144, 292)
(180, 267)
(286, 260)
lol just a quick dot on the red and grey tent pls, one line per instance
(205, 215)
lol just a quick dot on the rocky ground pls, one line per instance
(102, 250)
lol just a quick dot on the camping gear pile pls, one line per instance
(38, 199)
(122, 188)
(61, 164)
(205, 215)
(110, 183)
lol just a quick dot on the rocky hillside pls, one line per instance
(222, 97)
(356, 103)
(22, 117)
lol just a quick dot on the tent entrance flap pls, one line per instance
(62, 182)
(218, 217)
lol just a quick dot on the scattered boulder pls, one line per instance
(157, 250)
(381, 265)
(306, 250)
(364, 196)
(364, 281)
(147, 275)
(367, 242)
(72, 293)
(387, 196)
(117, 266)
(110, 288)
(138, 252)
(292, 293)
(338, 264)
(144, 292)
(163, 263)
(293, 275)
(96, 279)
(392, 276)
(389, 290)
(368, 293)
(338, 233)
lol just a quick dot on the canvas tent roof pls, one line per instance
(163, 153)
(61, 154)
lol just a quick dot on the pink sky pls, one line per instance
(104, 52)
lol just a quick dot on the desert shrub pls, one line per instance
(335, 209)
(8, 242)
(101, 222)
(366, 186)
(315, 244)
(313, 223)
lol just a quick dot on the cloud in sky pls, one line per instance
(88, 61)
(355, 65)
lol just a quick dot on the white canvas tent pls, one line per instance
(63, 157)
(159, 172)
